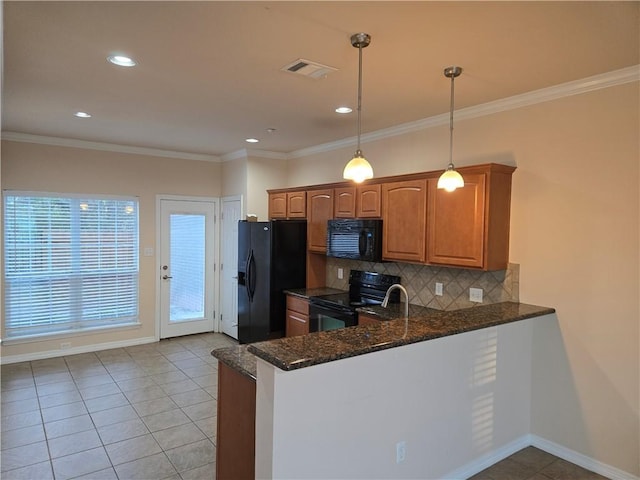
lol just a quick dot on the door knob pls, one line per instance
(166, 277)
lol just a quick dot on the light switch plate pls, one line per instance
(475, 295)
(438, 289)
(340, 273)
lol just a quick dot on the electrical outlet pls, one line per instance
(340, 273)
(475, 295)
(438, 289)
(401, 451)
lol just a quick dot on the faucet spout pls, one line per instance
(393, 287)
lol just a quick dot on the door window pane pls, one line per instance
(187, 260)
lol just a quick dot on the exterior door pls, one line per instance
(187, 266)
(231, 214)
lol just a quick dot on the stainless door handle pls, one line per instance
(166, 277)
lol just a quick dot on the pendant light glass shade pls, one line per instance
(450, 179)
(359, 169)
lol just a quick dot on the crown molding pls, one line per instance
(108, 147)
(576, 87)
(251, 152)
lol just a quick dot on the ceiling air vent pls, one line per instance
(308, 68)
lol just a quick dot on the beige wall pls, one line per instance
(70, 170)
(575, 234)
(263, 174)
(234, 177)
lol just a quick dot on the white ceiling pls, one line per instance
(209, 72)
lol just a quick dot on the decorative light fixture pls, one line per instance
(450, 179)
(358, 169)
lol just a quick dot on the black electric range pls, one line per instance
(338, 310)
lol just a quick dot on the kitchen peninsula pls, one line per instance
(453, 387)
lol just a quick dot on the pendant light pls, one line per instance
(358, 169)
(450, 179)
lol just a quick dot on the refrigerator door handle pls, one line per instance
(251, 281)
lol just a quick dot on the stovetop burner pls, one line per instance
(365, 288)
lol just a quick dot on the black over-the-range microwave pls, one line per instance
(355, 239)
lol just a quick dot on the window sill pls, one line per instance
(69, 333)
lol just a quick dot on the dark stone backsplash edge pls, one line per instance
(293, 353)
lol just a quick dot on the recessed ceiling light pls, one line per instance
(121, 60)
(82, 115)
(343, 110)
(252, 140)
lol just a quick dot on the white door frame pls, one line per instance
(216, 253)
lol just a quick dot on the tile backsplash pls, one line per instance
(420, 282)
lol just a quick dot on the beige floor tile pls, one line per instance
(132, 449)
(81, 463)
(105, 403)
(61, 412)
(157, 405)
(113, 415)
(201, 410)
(68, 426)
(160, 421)
(47, 401)
(178, 436)
(192, 455)
(155, 466)
(39, 471)
(122, 431)
(191, 397)
(74, 443)
(19, 457)
(23, 436)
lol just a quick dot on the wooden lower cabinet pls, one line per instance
(297, 316)
(367, 320)
(404, 229)
(236, 429)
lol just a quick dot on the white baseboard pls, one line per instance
(27, 357)
(581, 460)
(488, 459)
(559, 451)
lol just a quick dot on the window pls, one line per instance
(71, 262)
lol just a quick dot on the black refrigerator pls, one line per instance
(272, 257)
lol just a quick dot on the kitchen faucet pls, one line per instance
(385, 302)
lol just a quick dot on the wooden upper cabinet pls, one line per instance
(296, 204)
(456, 223)
(368, 201)
(319, 212)
(288, 205)
(278, 205)
(469, 227)
(345, 202)
(404, 206)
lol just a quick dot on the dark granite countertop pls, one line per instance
(238, 359)
(313, 292)
(321, 347)
(396, 310)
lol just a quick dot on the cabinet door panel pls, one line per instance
(345, 202)
(320, 211)
(296, 205)
(404, 221)
(278, 205)
(368, 204)
(457, 223)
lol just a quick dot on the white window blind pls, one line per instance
(71, 262)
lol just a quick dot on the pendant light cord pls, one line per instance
(359, 94)
(451, 125)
